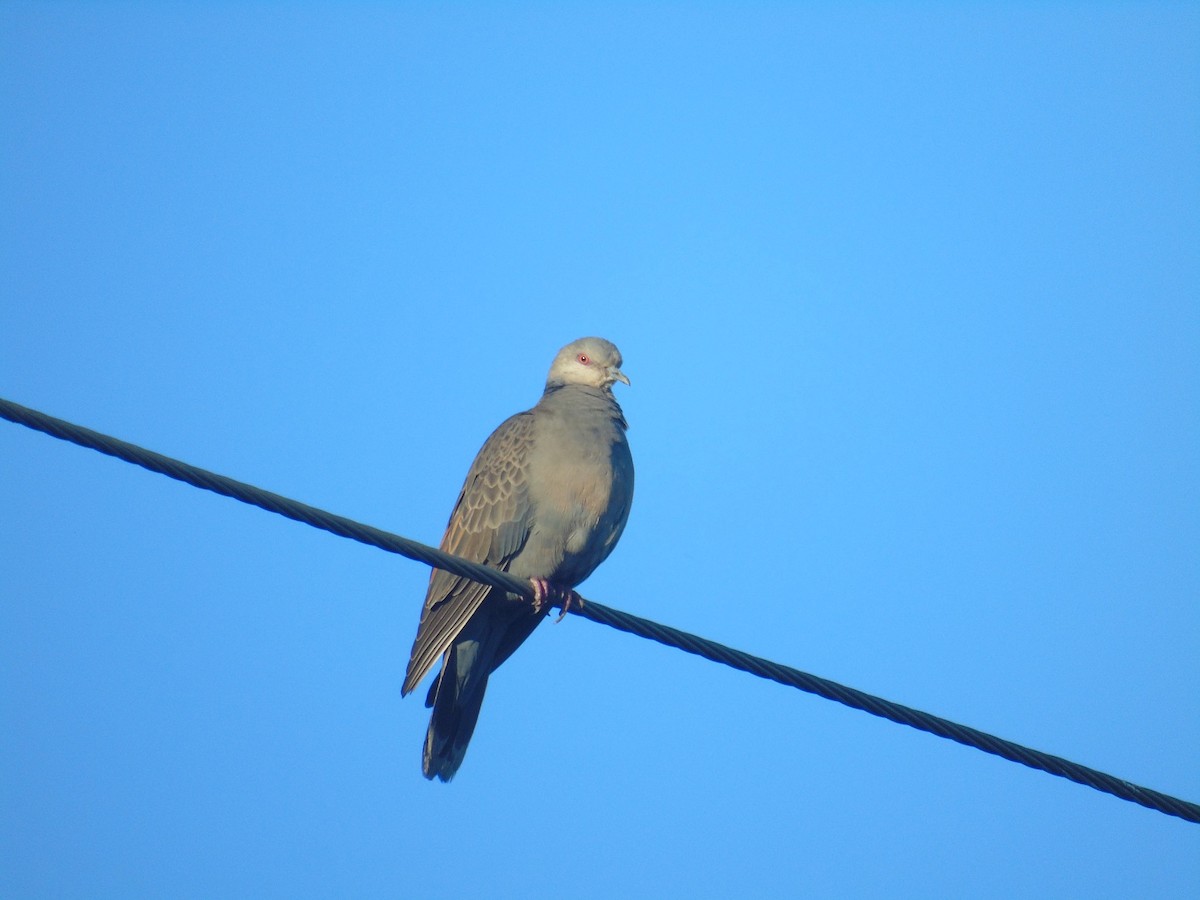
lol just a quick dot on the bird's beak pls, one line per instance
(617, 375)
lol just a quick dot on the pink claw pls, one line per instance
(544, 592)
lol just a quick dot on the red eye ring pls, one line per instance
(584, 359)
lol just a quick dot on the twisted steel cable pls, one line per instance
(622, 621)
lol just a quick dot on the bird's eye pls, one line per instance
(584, 359)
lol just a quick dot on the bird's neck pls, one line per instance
(578, 399)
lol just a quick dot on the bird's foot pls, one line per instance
(547, 594)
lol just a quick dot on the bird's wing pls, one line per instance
(490, 523)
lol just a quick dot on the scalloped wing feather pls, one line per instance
(490, 524)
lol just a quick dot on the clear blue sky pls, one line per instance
(910, 300)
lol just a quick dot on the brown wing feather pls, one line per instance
(490, 524)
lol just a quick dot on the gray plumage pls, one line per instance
(546, 498)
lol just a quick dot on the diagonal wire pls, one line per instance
(664, 634)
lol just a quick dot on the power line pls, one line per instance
(664, 634)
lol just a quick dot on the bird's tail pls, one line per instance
(456, 702)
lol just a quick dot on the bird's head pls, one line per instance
(590, 361)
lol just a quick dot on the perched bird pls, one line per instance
(546, 500)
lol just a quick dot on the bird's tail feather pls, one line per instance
(456, 704)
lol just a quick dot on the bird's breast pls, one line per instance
(580, 504)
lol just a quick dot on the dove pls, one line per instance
(545, 500)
